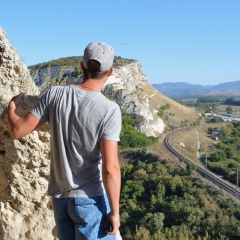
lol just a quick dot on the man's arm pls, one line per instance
(112, 181)
(21, 126)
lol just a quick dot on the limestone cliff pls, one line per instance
(127, 84)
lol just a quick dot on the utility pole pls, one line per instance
(172, 126)
(183, 146)
(237, 169)
(208, 151)
(237, 175)
(206, 160)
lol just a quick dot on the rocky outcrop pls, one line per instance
(26, 211)
(127, 83)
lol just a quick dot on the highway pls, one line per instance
(203, 172)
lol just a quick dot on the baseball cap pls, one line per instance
(101, 52)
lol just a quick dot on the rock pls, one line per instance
(127, 83)
(26, 210)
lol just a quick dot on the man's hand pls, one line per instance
(112, 224)
(15, 100)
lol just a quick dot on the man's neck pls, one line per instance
(91, 85)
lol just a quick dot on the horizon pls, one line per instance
(204, 85)
(175, 41)
(153, 83)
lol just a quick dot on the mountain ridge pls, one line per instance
(184, 89)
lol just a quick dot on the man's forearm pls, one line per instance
(111, 176)
(112, 184)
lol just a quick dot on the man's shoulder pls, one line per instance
(109, 102)
(54, 89)
(59, 90)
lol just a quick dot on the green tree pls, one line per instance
(218, 156)
(190, 168)
(229, 110)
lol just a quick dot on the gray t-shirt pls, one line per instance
(78, 119)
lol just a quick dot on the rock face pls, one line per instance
(127, 83)
(24, 164)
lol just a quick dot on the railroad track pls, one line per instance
(203, 172)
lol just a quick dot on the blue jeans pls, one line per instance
(81, 218)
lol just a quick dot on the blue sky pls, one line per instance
(194, 41)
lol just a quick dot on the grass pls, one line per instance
(222, 109)
(177, 112)
(189, 137)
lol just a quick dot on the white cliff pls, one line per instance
(128, 82)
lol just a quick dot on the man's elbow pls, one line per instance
(16, 133)
(113, 170)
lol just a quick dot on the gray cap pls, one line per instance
(101, 52)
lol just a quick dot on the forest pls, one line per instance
(159, 201)
(232, 101)
(164, 201)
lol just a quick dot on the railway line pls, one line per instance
(203, 172)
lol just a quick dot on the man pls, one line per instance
(85, 127)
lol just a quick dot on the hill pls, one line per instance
(183, 89)
(153, 111)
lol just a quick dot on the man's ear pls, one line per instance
(110, 71)
(81, 65)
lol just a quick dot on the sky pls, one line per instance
(193, 41)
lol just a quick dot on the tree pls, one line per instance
(190, 168)
(218, 156)
(142, 233)
(229, 110)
